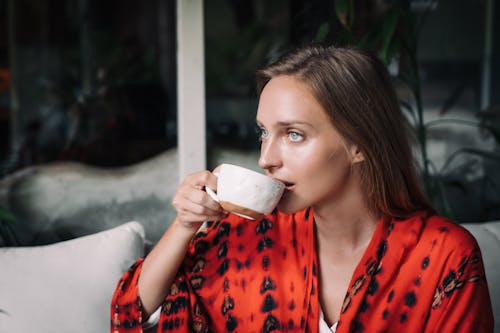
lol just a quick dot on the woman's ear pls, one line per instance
(356, 155)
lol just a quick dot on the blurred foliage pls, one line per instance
(391, 30)
(7, 235)
(239, 36)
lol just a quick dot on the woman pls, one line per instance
(353, 246)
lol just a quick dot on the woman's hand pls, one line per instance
(193, 204)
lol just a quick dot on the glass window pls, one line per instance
(95, 81)
(86, 80)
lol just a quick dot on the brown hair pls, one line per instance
(355, 90)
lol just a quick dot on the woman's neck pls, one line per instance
(345, 225)
(342, 236)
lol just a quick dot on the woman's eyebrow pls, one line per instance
(292, 123)
(287, 123)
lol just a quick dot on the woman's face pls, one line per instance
(300, 146)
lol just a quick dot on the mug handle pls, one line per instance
(211, 192)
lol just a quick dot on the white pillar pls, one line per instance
(190, 87)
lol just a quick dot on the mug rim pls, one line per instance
(263, 175)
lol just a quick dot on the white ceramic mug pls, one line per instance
(245, 192)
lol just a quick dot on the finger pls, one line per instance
(203, 206)
(211, 181)
(217, 169)
(202, 179)
(202, 209)
(196, 214)
(199, 197)
(188, 216)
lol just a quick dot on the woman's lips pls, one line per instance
(289, 186)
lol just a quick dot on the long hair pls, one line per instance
(355, 90)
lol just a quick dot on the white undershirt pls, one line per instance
(152, 320)
(323, 326)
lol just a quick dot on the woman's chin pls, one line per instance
(288, 207)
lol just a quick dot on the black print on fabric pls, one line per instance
(239, 230)
(197, 281)
(374, 268)
(410, 299)
(198, 266)
(201, 247)
(306, 215)
(200, 234)
(266, 261)
(372, 287)
(425, 263)
(347, 302)
(178, 287)
(228, 304)
(169, 325)
(358, 284)
(390, 296)
(231, 323)
(270, 324)
(381, 250)
(364, 305)
(267, 284)
(222, 250)
(269, 304)
(239, 265)
(264, 243)
(223, 231)
(174, 306)
(224, 266)
(451, 283)
(263, 226)
(356, 326)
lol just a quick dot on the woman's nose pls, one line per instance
(269, 155)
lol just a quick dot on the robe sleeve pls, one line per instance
(126, 308)
(461, 300)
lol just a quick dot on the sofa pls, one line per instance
(63, 281)
(66, 286)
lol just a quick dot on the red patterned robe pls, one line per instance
(420, 274)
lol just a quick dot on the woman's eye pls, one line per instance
(262, 133)
(295, 136)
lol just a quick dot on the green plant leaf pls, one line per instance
(405, 106)
(447, 211)
(493, 130)
(388, 30)
(351, 13)
(8, 235)
(456, 184)
(370, 40)
(342, 10)
(6, 216)
(322, 32)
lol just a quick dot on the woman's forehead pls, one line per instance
(287, 100)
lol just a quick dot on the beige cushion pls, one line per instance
(487, 235)
(67, 286)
